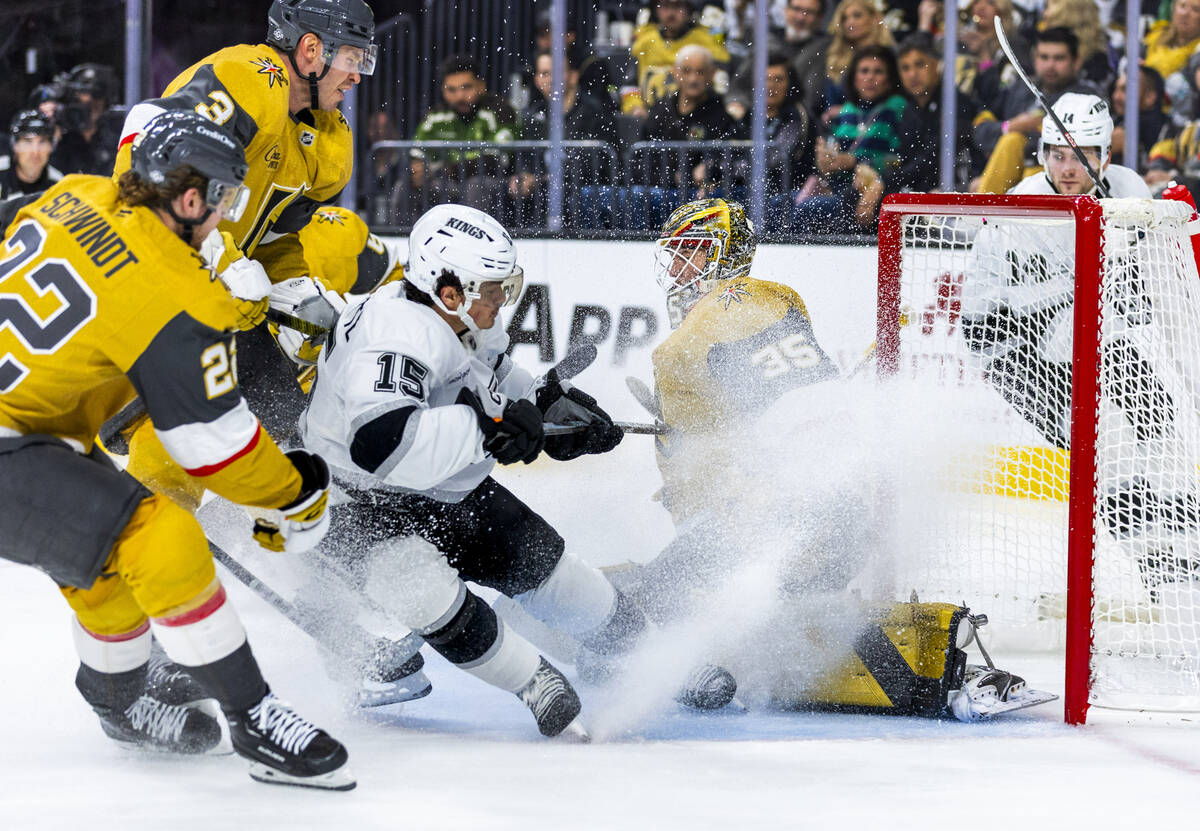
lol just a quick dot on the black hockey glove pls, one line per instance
(597, 434)
(516, 436)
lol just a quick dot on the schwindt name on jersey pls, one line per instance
(93, 233)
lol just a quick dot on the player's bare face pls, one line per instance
(332, 88)
(1069, 177)
(32, 153)
(484, 308)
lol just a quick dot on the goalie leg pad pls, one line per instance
(905, 661)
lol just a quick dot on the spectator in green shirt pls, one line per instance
(467, 113)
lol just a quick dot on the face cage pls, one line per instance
(227, 199)
(349, 58)
(681, 249)
(511, 285)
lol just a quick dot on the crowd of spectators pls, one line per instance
(853, 108)
(660, 111)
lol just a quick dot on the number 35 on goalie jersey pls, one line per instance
(741, 347)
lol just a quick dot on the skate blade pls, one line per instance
(396, 695)
(1017, 700)
(574, 733)
(336, 780)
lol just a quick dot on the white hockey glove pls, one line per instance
(300, 525)
(245, 278)
(307, 299)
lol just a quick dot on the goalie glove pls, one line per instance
(307, 299)
(571, 405)
(300, 525)
(515, 435)
(244, 278)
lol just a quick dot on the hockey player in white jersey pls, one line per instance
(415, 403)
(1018, 318)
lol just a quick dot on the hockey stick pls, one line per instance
(626, 426)
(644, 396)
(288, 610)
(304, 327)
(1037, 93)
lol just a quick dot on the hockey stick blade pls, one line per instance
(626, 426)
(640, 390)
(576, 361)
(1101, 186)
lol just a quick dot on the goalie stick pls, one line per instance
(1101, 186)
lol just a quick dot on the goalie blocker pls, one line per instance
(910, 660)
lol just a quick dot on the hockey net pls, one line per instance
(1071, 514)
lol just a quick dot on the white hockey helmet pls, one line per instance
(467, 243)
(1086, 118)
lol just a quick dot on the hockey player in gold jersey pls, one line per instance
(739, 345)
(106, 297)
(279, 100)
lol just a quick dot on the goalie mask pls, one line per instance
(701, 244)
(1086, 118)
(467, 244)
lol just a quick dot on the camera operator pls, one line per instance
(91, 128)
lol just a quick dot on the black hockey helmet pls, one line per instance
(346, 29)
(43, 93)
(31, 123)
(182, 137)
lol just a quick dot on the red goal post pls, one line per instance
(927, 251)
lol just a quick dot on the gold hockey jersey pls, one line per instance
(348, 257)
(101, 302)
(741, 347)
(295, 162)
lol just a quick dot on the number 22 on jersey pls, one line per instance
(38, 335)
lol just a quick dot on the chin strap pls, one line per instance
(187, 229)
(314, 94)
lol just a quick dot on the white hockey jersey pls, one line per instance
(1029, 268)
(1122, 182)
(382, 412)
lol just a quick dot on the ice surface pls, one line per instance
(469, 757)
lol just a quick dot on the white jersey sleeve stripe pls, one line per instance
(201, 446)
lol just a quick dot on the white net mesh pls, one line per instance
(987, 325)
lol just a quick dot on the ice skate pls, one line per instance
(151, 724)
(988, 692)
(406, 682)
(170, 683)
(553, 702)
(285, 749)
